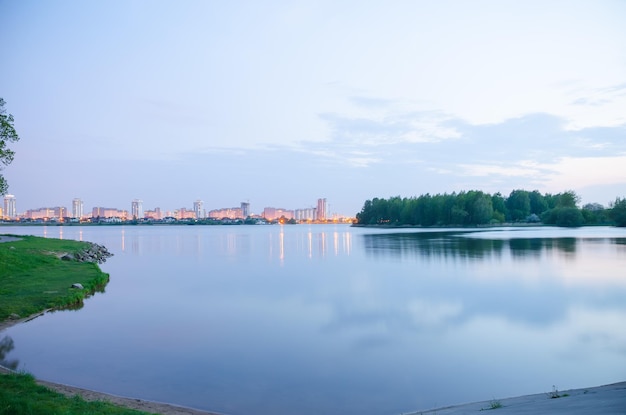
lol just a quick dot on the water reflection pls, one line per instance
(322, 319)
(6, 345)
(455, 245)
(281, 242)
(436, 245)
(531, 280)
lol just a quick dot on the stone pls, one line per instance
(78, 285)
(67, 257)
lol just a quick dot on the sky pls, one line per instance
(280, 103)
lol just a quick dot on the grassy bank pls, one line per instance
(20, 394)
(33, 277)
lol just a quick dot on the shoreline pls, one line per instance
(607, 399)
(91, 395)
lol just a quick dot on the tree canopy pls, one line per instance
(7, 135)
(474, 207)
(618, 212)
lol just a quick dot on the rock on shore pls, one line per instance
(93, 253)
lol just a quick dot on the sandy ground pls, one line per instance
(605, 400)
(146, 406)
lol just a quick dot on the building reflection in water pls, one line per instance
(322, 244)
(276, 242)
(310, 244)
(135, 246)
(347, 242)
(281, 243)
(231, 243)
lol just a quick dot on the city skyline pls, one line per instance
(137, 211)
(274, 102)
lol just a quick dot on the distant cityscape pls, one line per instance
(318, 214)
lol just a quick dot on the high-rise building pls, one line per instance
(308, 214)
(245, 209)
(271, 213)
(104, 212)
(198, 209)
(226, 213)
(153, 214)
(47, 213)
(136, 210)
(77, 208)
(10, 210)
(321, 209)
(184, 213)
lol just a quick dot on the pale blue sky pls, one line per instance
(280, 103)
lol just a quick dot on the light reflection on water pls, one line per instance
(332, 319)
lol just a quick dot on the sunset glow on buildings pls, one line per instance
(102, 212)
(77, 208)
(270, 213)
(137, 213)
(46, 213)
(10, 210)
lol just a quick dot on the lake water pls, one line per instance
(330, 319)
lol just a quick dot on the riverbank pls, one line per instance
(39, 274)
(606, 400)
(128, 403)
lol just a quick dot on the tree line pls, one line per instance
(474, 207)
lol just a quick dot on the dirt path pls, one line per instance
(141, 405)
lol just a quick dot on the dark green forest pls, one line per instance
(474, 207)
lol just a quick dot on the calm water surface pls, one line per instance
(337, 320)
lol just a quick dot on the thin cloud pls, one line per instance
(369, 102)
(412, 127)
(583, 172)
(480, 170)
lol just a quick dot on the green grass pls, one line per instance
(493, 404)
(33, 278)
(20, 394)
